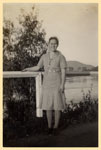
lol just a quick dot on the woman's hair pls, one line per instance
(54, 38)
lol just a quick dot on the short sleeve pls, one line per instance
(40, 63)
(63, 63)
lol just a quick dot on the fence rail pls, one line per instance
(19, 74)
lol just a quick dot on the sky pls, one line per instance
(75, 24)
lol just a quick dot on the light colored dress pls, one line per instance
(51, 96)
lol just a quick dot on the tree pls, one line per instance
(22, 47)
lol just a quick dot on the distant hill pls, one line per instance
(78, 66)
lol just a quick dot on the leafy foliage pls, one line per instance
(23, 46)
(84, 111)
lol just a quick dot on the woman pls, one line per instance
(54, 64)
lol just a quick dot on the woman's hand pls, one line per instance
(26, 69)
(62, 88)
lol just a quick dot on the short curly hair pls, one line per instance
(54, 38)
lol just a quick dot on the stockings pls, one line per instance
(57, 114)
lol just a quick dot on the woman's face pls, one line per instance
(53, 45)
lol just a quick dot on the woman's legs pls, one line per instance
(49, 118)
(57, 118)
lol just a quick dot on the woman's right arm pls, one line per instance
(35, 68)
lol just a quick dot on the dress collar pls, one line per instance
(56, 52)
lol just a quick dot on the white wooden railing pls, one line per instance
(38, 79)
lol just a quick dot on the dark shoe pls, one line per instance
(50, 130)
(55, 131)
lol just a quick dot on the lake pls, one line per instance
(75, 86)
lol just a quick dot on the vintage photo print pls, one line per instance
(50, 75)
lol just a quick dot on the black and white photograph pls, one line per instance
(50, 75)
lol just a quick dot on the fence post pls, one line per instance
(39, 112)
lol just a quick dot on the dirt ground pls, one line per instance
(80, 135)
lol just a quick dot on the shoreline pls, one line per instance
(86, 73)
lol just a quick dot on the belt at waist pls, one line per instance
(53, 70)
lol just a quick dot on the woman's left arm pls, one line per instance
(63, 77)
(63, 66)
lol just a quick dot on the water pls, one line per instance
(77, 85)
